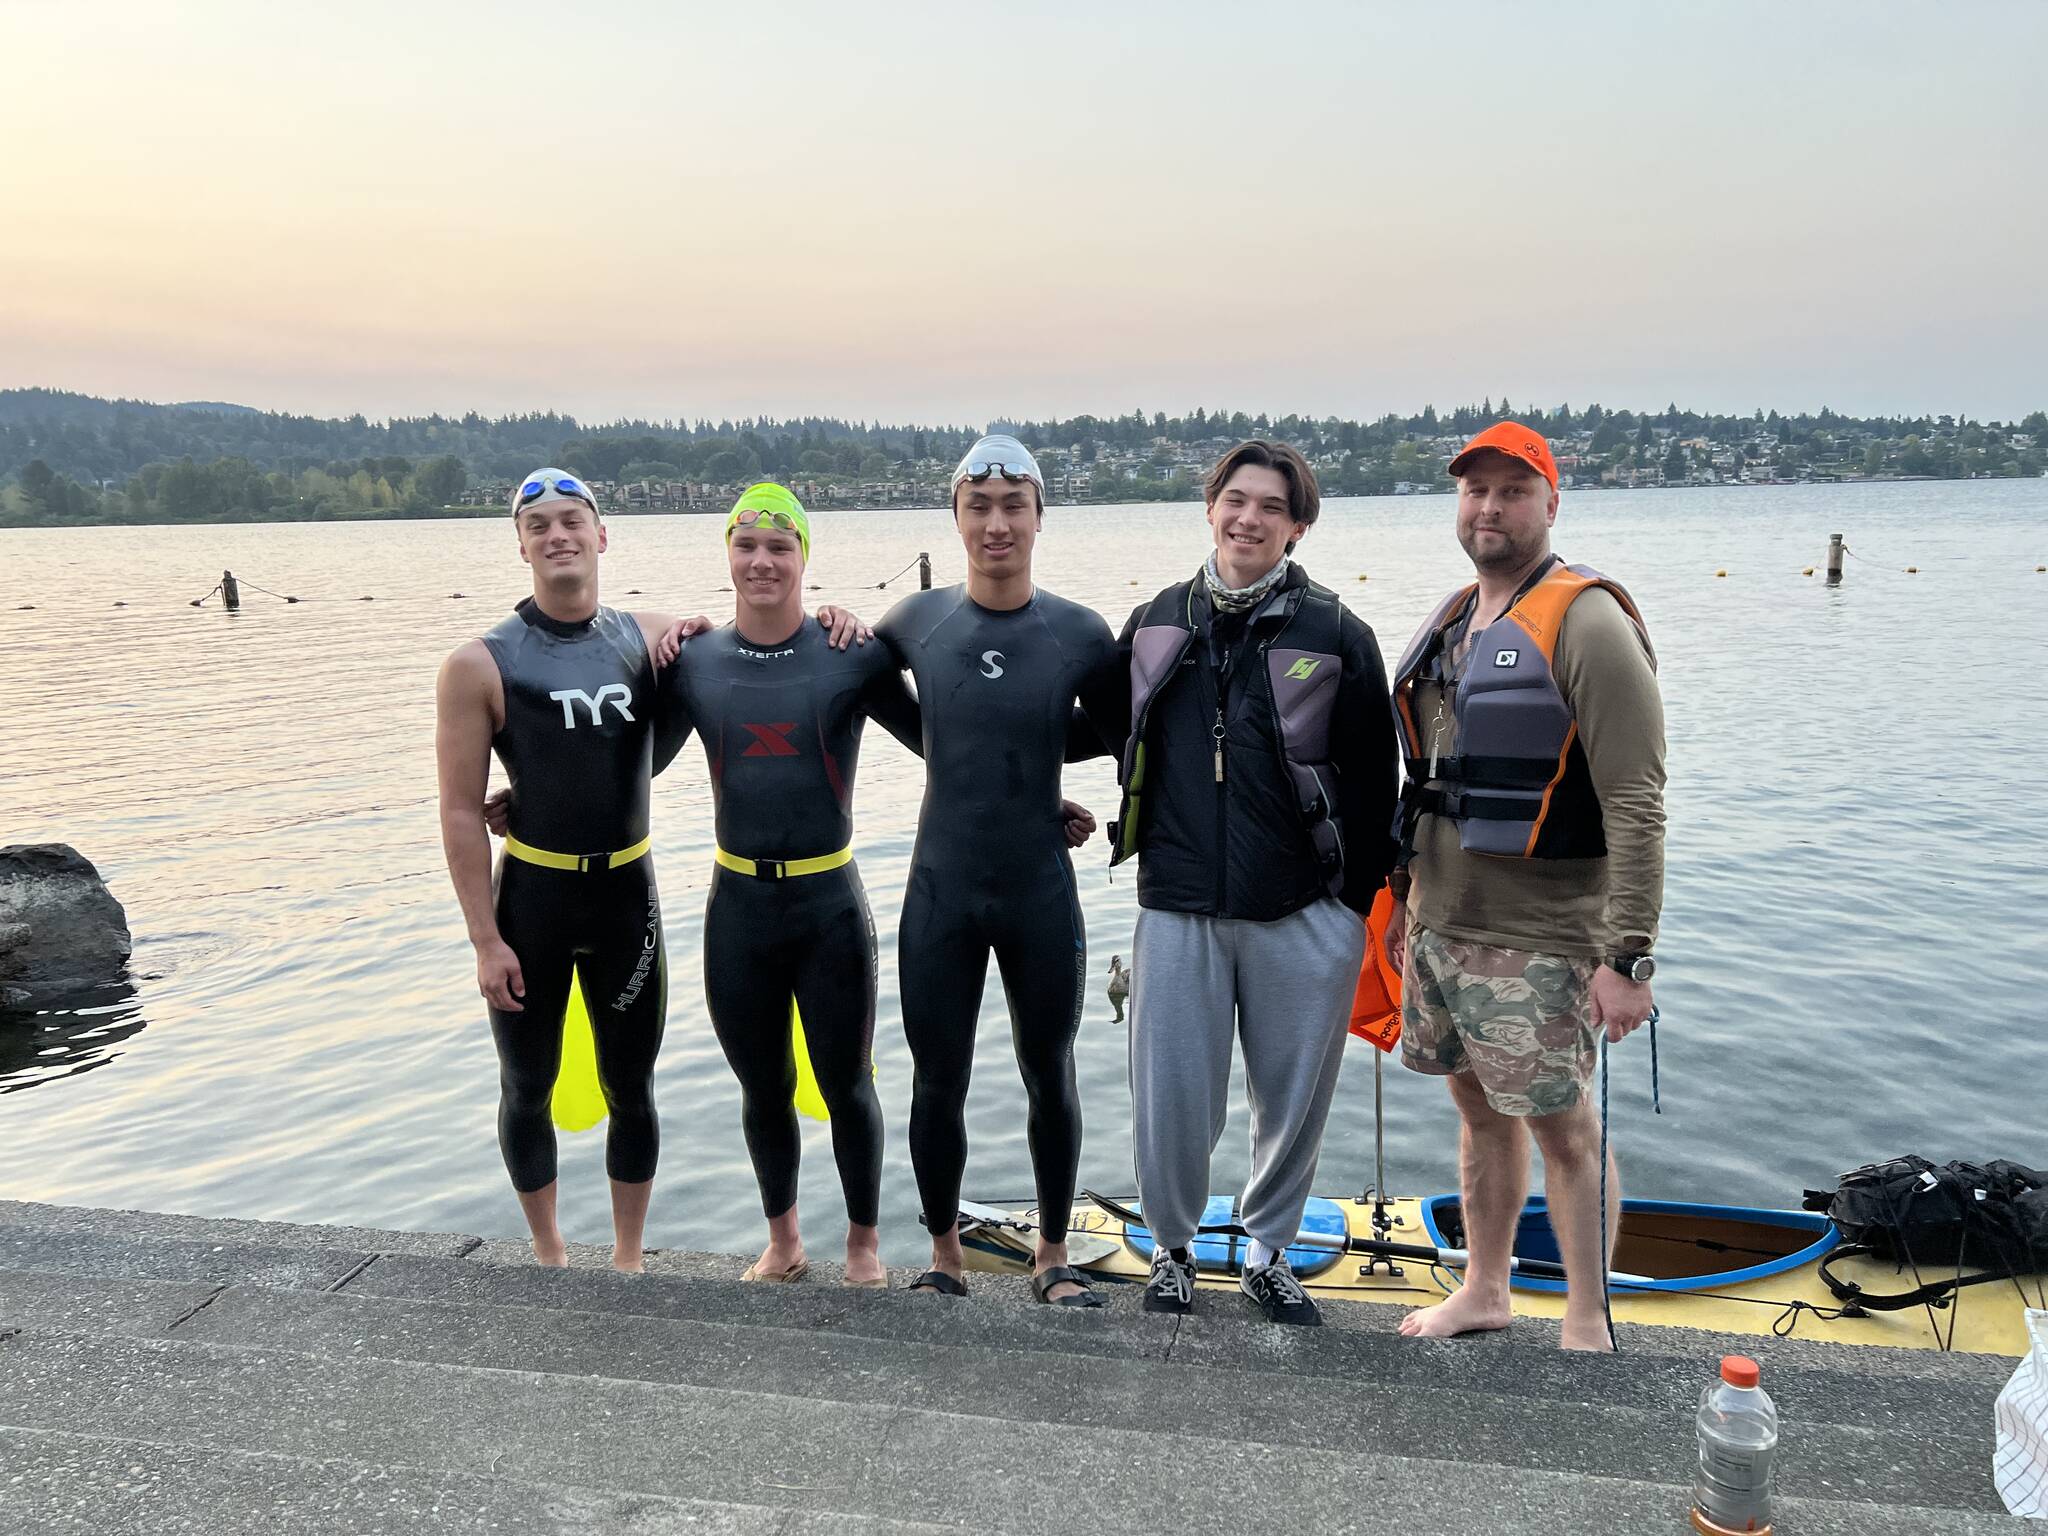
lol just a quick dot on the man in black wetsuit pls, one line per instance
(999, 667)
(563, 691)
(780, 712)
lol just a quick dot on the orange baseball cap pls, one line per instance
(1514, 440)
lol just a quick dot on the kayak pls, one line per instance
(1678, 1264)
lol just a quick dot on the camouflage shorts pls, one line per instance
(1518, 1022)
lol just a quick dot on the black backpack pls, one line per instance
(1991, 1216)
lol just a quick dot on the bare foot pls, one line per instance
(1593, 1335)
(551, 1253)
(1465, 1310)
(634, 1263)
(779, 1259)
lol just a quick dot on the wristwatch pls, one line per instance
(1636, 965)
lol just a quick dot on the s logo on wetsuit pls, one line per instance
(991, 663)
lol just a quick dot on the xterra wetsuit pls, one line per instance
(991, 872)
(575, 888)
(787, 917)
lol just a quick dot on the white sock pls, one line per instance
(1259, 1254)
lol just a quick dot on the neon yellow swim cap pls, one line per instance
(775, 507)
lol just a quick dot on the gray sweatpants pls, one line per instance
(1285, 989)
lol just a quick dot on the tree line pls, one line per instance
(67, 458)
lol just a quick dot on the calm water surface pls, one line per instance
(1852, 940)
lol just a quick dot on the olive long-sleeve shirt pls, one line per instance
(1566, 906)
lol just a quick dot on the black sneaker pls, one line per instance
(1172, 1286)
(1279, 1294)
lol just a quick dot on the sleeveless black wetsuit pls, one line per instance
(781, 727)
(577, 746)
(991, 873)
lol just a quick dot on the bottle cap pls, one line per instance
(1739, 1371)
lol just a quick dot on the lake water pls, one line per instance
(1852, 950)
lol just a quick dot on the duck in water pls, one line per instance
(1119, 985)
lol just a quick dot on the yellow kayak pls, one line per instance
(1728, 1269)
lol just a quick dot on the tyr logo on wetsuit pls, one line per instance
(610, 693)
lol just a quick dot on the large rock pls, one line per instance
(61, 930)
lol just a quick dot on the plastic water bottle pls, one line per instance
(1738, 1429)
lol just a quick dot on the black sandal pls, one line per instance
(1065, 1274)
(938, 1281)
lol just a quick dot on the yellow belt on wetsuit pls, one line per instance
(582, 863)
(784, 869)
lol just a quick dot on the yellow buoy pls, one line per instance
(1807, 572)
(578, 1100)
(1721, 573)
(1361, 576)
(1912, 570)
(2040, 568)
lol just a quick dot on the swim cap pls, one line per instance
(552, 485)
(769, 498)
(998, 454)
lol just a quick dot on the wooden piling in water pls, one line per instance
(924, 571)
(230, 593)
(1834, 559)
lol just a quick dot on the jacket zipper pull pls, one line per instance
(1219, 732)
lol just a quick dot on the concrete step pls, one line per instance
(137, 1226)
(866, 1458)
(228, 1251)
(1825, 1386)
(1838, 1393)
(1639, 1428)
(296, 1266)
(57, 1483)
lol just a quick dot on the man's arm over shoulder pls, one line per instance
(1610, 683)
(1365, 749)
(886, 698)
(1102, 718)
(467, 703)
(672, 722)
(900, 626)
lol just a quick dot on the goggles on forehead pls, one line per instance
(979, 468)
(999, 454)
(544, 483)
(752, 517)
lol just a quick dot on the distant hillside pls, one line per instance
(67, 458)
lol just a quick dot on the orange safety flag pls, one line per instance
(1376, 1005)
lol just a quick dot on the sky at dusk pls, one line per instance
(943, 213)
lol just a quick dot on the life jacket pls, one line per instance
(1300, 680)
(1519, 786)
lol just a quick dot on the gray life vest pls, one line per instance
(1518, 786)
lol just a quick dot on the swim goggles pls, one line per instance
(545, 483)
(768, 505)
(999, 454)
(749, 517)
